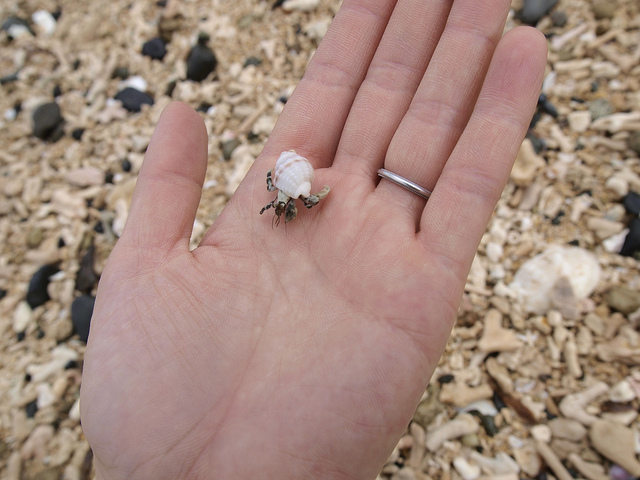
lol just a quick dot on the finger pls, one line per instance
(314, 116)
(472, 180)
(392, 79)
(444, 101)
(170, 182)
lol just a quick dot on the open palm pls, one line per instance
(303, 352)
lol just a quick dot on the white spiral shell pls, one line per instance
(293, 174)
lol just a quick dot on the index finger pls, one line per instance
(314, 116)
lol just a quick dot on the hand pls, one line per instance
(273, 353)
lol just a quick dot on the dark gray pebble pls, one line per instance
(12, 77)
(488, 422)
(201, 60)
(631, 202)
(37, 292)
(133, 99)
(228, 147)
(31, 408)
(47, 122)
(539, 145)
(86, 277)
(16, 21)
(446, 378)
(77, 133)
(154, 48)
(559, 18)
(631, 246)
(120, 72)
(81, 311)
(546, 106)
(533, 10)
(255, 61)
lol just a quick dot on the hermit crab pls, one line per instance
(292, 178)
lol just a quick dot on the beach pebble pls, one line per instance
(86, 278)
(460, 394)
(495, 338)
(50, 473)
(527, 164)
(466, 470)
(132, 99)
(634, 142)
(201, 60)
(155, 48)
(68, 205)
(16, 27)
(528, 459)
(567, 429)
(81, 311)
(136, 81)
(600, 107)
(603, 9)
(632, 240)
(604, 228)
(617, 443)
(36, 445)
(573, 405)
(485, 407)
(541, 433)
(47, 121)
(13, 467)
(590, 470)
(85, 176)
(22, 317)
(37, 293)
(623, 299)
(616, 472)
(45, 22)
(622, 392)
(463, 424)
(533, 10)
(46, 397)
(615, 243)
(535, 279)
(631, 203)
(559, 18)
(579, 121)
(617, 184)
(300, 5)
(60, 357)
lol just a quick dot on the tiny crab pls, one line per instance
(292, 177)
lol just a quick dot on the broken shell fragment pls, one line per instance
(536, 278)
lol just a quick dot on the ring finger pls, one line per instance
(444, 100)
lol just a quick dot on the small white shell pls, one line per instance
(293, 174)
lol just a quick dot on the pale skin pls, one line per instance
(273, 354)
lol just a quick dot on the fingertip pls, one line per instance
(529, 44)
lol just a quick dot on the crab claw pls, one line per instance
(313, 200)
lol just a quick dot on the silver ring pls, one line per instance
(404, 183)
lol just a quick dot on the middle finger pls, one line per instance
(392, 78)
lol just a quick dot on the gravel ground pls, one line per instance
(541, 376)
